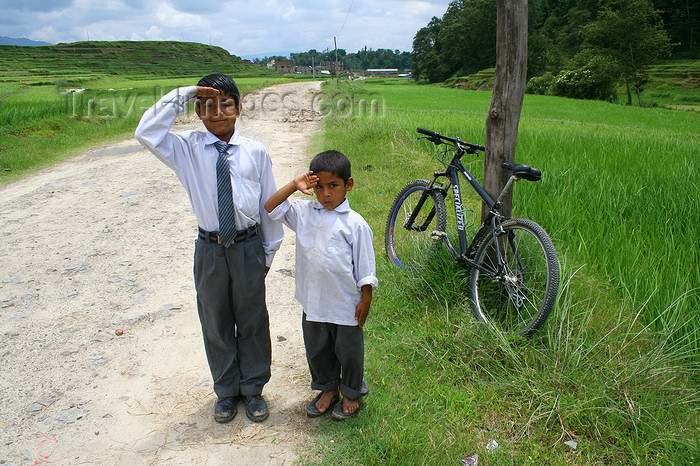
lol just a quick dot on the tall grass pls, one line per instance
(615, 367)
(626, 202)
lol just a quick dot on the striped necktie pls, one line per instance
(227, 219)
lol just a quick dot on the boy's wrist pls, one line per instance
(188, 92)
(293, 186)
(366, 291)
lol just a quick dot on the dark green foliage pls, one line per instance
(426, 60)
(540, 85)
(681, 20)
(461, 43)
(361, 60)
(588, 76)
(380, 58)
(632, 33)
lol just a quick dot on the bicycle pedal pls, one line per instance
(436, 235)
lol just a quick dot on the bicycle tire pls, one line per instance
(522, 300)
(409, 248)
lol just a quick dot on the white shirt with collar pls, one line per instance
(334, 259)
(192, 155)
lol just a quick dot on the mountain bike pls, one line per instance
(514, 276)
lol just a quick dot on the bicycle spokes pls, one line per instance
(416, 213)
(516, 287)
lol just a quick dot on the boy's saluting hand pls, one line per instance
(205, 92)
(305, 182)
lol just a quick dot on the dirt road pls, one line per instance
(104, 242)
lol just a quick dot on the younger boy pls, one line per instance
(227, 178)
(335, 276)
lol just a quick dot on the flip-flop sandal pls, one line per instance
(312, 411)
(340, 415)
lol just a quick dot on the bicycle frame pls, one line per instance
(493, 218)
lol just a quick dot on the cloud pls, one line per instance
(46, 34)
(169, 17)
(34, 5)
(243, 27)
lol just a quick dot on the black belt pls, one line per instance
(241, 235)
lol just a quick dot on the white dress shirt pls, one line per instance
(192, 155)
(334, 259)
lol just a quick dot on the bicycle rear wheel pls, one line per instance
(520, 298)
(408, 243)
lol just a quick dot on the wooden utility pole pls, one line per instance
(335, 65)
(507, 99)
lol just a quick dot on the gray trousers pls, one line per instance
(335, 354)
(230, 284)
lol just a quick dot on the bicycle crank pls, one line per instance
(437, 235)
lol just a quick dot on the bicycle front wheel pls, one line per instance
(519, 297)
(415, 214)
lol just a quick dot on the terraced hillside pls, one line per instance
(78, 61)
(680, 74)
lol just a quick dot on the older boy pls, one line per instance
(227, 178)
(335, 276)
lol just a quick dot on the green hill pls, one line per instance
(80, 61)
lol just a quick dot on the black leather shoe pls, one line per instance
(225, 409)
(256, 408)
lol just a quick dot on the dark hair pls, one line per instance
(224, 83)
(331, 161)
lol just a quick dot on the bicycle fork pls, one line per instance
(512, 278)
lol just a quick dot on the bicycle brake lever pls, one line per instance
(434, 140)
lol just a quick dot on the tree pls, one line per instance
(630, 31)
(588, 76)
(507, 99)
(425, 51)
(462, 42)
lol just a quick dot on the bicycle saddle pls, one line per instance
(523, 171)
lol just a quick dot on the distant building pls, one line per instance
(300, 69)
(284, 66)
(384, 72)
(334, 66)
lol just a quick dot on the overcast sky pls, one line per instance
(242, 27)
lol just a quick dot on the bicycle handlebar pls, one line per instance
(436, 137)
